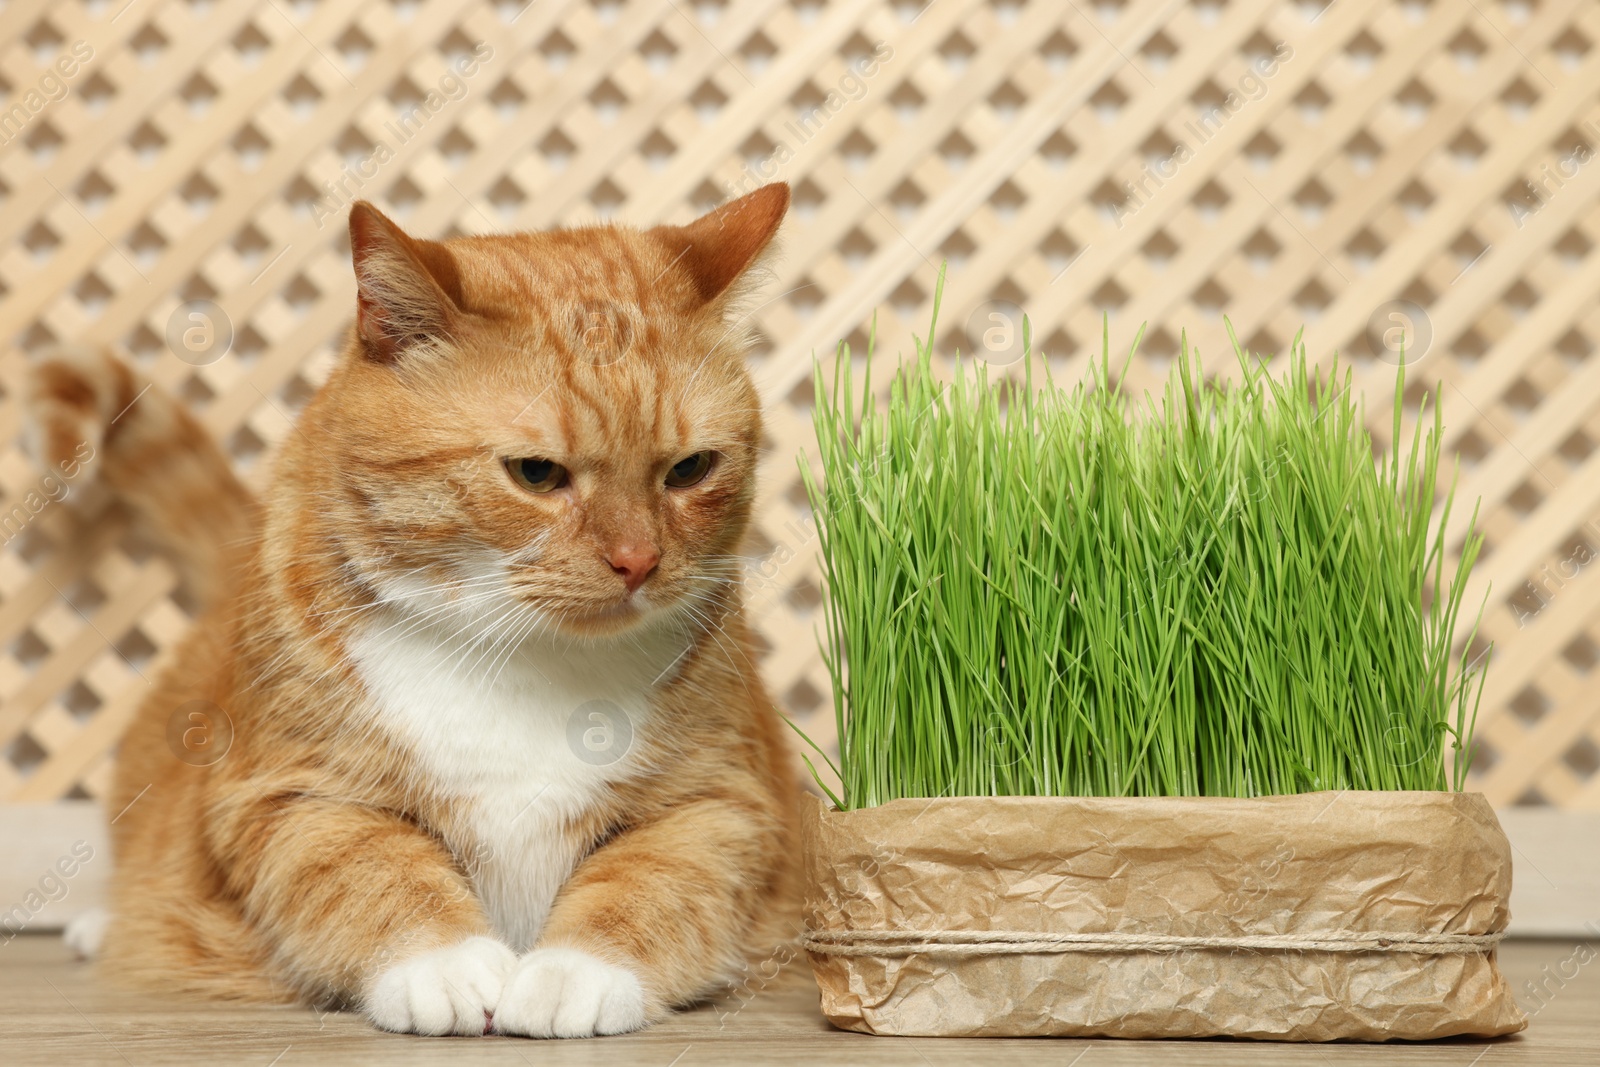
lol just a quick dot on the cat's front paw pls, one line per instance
(565, 992)
(449, 990)
(85, 934)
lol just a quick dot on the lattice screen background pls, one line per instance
(1056, 153)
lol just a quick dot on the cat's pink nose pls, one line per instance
(634, 562)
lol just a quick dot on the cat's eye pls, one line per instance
(537, 475)
(689, 470)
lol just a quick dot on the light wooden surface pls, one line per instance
(1387, 157)
(53, 1013)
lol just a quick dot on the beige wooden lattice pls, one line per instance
(1160, 160)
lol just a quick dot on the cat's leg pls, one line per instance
(366, 907)
(658, 916)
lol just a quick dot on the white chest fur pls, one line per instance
(521, 743)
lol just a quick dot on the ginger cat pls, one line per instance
(478, 740)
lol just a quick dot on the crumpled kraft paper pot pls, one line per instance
(1366, 916)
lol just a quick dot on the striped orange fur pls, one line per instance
(493, 747)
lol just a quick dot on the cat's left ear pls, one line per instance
(718, 247)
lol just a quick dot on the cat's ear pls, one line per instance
(719, 246)
(403, 286)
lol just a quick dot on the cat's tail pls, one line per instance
(94, 417)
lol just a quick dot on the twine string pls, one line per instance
(1006, 943)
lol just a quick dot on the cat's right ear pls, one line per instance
(401, 286)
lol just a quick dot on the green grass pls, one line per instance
(1034, 590)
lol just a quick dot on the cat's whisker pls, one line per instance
(420, 620)
(713, 629)
(505, 625)
(394, 600)
(535, 625)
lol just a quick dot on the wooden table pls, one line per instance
(54, 1013)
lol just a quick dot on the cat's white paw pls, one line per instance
(446, 991)
(565, 992)
(84, 934)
